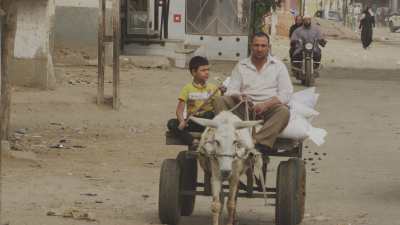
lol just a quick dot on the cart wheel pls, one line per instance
(290, 192)
(300, 150)
(301, 188)
(188, 182)
(169, 202)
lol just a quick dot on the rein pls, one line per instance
(234, 155)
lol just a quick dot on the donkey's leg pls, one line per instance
(216, 206)
(231, 204)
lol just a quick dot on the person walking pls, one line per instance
(367, 23)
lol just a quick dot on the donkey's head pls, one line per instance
(226, 145)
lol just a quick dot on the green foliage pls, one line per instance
(261, 8)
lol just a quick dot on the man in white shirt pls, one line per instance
(263, 80)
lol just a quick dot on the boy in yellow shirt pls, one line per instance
(193, 95)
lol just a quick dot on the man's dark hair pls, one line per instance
(260, 34)
(196, 62)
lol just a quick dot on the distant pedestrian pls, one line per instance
(367, 23)
(267, 23)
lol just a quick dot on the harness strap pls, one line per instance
(236, 106)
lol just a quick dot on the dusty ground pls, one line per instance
(109, 163)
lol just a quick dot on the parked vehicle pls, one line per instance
(394, 21)
(331, 15)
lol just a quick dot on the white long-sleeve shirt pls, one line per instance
(271, 81)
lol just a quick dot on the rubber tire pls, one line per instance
(188, 182)
(290, 192)
(169, 202)
(308, 77)
(300, 167)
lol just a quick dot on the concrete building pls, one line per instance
(76, 24)
(31, 63)
(394, 5)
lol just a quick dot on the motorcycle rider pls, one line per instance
(298, 22)
(307, 33)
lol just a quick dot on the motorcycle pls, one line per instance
(307, 69)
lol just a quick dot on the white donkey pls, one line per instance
(227, 152)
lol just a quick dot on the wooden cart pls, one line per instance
(179, 183)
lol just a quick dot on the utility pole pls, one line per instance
(7, 33)
(302, 7)
(345, 12)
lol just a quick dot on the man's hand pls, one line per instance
(182, 125)
(240, 97)
(260, 108)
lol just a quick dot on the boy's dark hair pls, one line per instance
(196, 62)
(260, 34)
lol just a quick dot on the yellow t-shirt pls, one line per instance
(194, 95)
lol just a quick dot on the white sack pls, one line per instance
(307, 97)
(297, 108)
(299, 129)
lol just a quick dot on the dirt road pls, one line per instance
(108, 162)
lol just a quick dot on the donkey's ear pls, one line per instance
(246, 124)
(204, 122)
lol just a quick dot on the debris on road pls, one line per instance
(145, 196)
(57, 146)
(17, 147)
(56, 124)
(21, 131)
(78, 146)
(89, 177)
(73, 213)
(89, 194)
